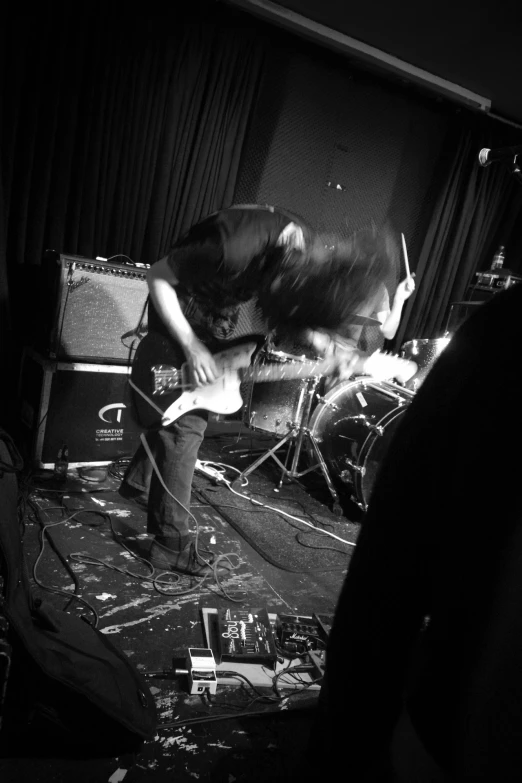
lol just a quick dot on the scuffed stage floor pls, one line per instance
(155, 628)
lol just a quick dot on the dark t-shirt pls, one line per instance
(220, 264)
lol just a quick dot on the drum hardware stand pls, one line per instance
(298, 433)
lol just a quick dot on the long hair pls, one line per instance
(329, 282)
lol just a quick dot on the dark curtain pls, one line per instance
(5, 310)
(117, 132)
(117, 137)
(469, 219)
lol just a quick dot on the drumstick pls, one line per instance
(405, 252)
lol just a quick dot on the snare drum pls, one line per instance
(353, 426)
(277, 406)
(424, 353)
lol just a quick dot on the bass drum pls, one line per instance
(353, 426)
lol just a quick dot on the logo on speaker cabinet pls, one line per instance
(74, 284)
(117, 408)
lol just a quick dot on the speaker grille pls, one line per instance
(101, 311)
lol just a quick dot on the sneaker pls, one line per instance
(185, 562)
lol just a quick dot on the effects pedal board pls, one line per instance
(246, 636)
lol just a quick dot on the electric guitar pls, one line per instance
(164, 392)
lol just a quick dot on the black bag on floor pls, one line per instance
(69, 690)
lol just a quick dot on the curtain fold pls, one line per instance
(117, 143)
(117, 133)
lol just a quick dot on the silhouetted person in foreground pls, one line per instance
(428, 628)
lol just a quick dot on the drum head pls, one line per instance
(353, 427)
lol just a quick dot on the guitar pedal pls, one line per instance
(202, 670)
(297, 634)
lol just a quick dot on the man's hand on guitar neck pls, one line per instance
(383, 367)
(200, 363)
(346, 359)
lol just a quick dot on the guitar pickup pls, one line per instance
(165, 379)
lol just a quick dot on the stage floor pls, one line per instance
(286, 564)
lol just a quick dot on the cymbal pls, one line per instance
(361, 320)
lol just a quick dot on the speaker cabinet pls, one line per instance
(100, 311)
(85, 406)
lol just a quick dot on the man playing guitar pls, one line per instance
(248, 259)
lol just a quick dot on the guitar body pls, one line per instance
(158, 357)
(162, 391)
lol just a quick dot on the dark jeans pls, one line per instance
(175, 450)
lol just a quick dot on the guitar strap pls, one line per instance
(269, 208)
(146, 397)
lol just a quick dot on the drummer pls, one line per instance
(371, 338)
(371, 326)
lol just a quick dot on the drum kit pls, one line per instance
(344, 432)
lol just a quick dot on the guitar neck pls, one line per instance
(378, 365)
(287, 371)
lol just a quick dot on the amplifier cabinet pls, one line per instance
(494, 280)
(85, 406)
(100, 311)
